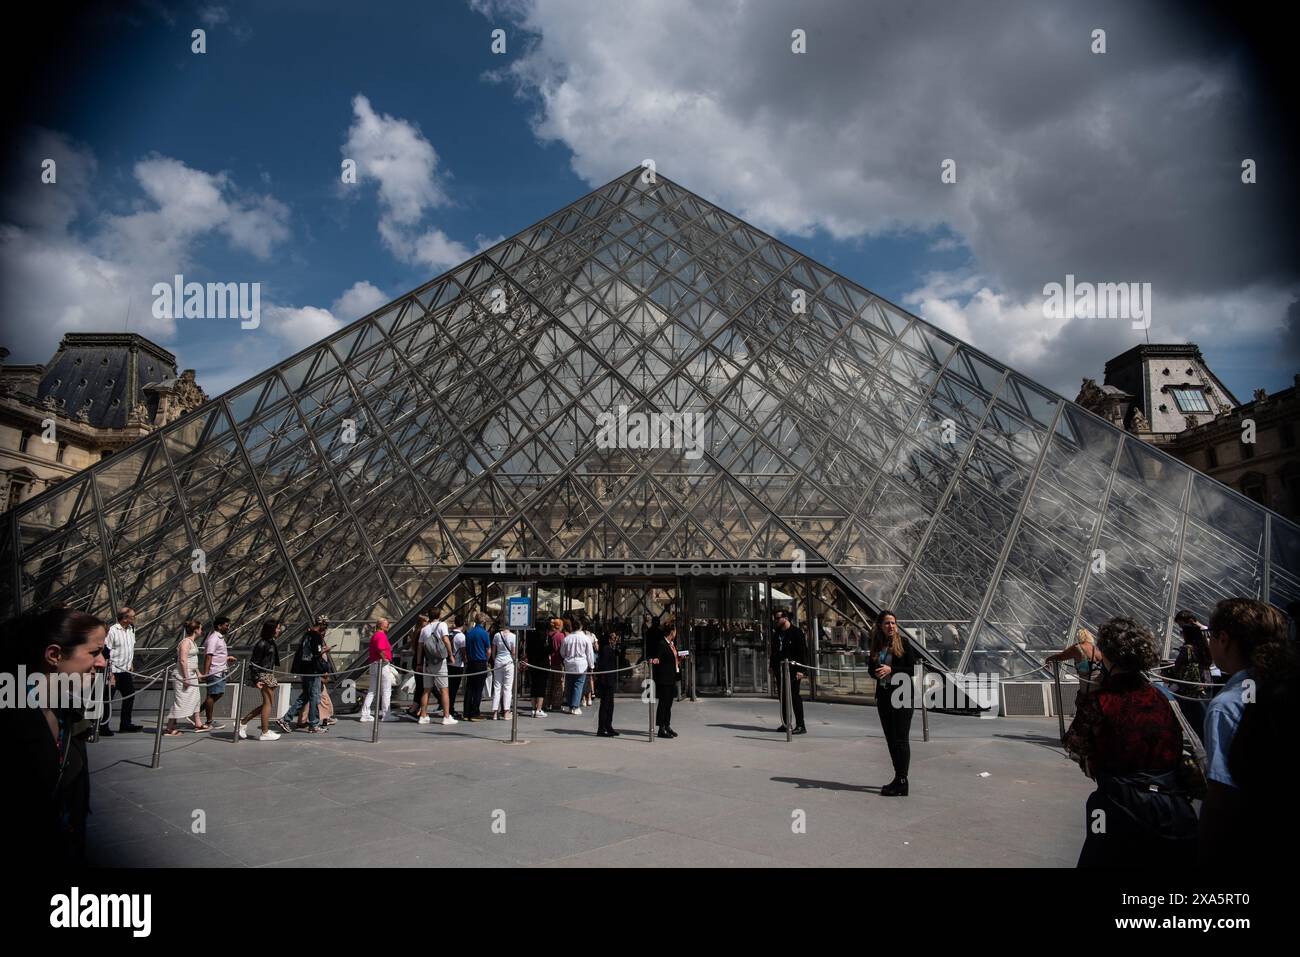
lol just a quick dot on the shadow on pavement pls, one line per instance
(807, 783)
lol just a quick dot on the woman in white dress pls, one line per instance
(503, 670)
(185, 679)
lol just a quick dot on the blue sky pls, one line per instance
(225, 165)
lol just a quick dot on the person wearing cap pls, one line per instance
(309, 665)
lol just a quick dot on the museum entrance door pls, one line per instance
(730, 631)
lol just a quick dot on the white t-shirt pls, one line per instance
(458, 648)
(503, 647)
(435, 650)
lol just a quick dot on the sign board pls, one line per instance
(520, 611)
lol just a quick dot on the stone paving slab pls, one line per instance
(728, 792)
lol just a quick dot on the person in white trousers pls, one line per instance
(381, 676)
(503, 669)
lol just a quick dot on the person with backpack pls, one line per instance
(434, 651)
(263, 661)
(309, 664)
(1126, 737)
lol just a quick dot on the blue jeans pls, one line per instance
(309, 695)
(573, 685)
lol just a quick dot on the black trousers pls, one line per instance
(605, 721)
(475, 679)
(897, 725)
(124, 685)
(453, 682)
(796, 699)
(664, 712)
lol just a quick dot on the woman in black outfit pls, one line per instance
(662, 652)
(43, 749)
(537, 652)
(892, 661)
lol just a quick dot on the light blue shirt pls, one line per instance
(1222, 718)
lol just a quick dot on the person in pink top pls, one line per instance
(381, 653)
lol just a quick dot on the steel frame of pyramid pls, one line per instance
(366, 472)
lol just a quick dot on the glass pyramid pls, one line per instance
(363, 474)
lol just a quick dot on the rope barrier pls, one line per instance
(1184, 681)
(942, 671)
(152, 680)
(553, 671)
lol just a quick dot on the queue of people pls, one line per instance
(1130, 732)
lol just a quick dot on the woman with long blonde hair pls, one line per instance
(892, 661)
(1086, 658)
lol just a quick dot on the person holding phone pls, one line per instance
(892, 661)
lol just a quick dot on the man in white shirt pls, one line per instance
(578, 649)
(456, 663)
(120, 645)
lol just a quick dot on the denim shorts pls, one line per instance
(216, 685)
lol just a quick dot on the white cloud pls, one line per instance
(64, 266)
(358, 300)
(301, 326)
(1111, 167)
(393, 154)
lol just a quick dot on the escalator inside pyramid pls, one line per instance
(645, 407)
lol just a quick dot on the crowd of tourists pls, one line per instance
(1188, 755)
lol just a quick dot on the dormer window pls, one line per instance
(1190, 400)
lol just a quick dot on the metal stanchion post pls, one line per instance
(235, 701)
(1060, 707)
(376, 685)
(925, 712)
(514, 695)
(158, 731)
(787, 716)
(694, 697)
(650, 723)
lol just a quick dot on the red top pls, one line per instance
(1126, 726)
(380, 648)
(557, 660)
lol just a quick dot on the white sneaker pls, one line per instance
(505, 716)
(450, 721)
(576, 711)
(367, 717)
(539, 713)
(566, 709)
(268, 736)
(424, 720)
(243, 735)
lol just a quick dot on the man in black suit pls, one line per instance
(664, 661)
(788, 645)
(607, 682)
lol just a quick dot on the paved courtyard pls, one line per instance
(984, 793)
